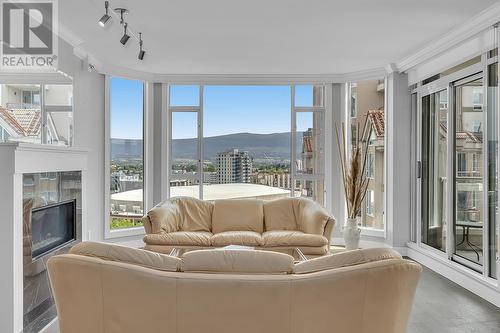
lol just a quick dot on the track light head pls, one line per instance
(125, 36)
(105, 18)
(142, 53)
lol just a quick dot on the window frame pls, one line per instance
(147, 154)
(366, 230)
(45, 109)
(449, 82)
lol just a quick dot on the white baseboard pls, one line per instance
(470, 280)
(52, 327)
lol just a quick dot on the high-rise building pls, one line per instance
(233, 166)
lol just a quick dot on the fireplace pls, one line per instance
(52, 223)
(52, 227)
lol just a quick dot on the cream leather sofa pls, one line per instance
(114, 289)
(279, 225)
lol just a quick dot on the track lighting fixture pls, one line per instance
(105, 18)
(127, 33)
(122, 12)
(125, 36)
(141, 51)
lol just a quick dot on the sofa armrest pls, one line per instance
(129, 255)
(345, 259)
(164, 217)
(328, 231)
(146, 222)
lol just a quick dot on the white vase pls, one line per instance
(351, 234)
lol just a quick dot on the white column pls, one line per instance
(398, 160)
(335, 115)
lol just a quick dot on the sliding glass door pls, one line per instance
(469, 212)
(457, 171)
(434, 165)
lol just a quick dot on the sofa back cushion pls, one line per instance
(238, 215)
(196, 215)
(344, 259)
(280, 214)
(246, 261)
(120, 253)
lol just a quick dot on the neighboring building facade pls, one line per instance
(233, 166)
(280, 180)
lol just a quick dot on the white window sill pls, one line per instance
(372, 232)
(126, 232)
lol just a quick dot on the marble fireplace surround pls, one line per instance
(17, 159)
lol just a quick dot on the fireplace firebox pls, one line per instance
(52, 226)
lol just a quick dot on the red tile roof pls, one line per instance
(24, 122)
(378, 122)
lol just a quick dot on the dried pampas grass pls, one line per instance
(353, 167)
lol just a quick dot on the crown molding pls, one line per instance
(480, 22)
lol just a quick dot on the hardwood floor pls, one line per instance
(442, 306)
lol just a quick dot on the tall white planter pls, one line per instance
(351, 233)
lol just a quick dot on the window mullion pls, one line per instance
(293, 139)
(200, 143)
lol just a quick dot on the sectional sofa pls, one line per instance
(278, 225)
(114, 289)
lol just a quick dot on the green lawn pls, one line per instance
(125, 222)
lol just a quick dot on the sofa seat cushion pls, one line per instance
(247, 238)
(292, 238)
(241, 261)
(181, 238)
(238, 215)
(120, 253)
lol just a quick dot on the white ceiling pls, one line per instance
(265, 36)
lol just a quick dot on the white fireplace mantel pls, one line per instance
(17, 159)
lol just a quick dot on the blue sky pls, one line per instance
(227, 109)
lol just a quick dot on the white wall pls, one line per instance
(88, 117)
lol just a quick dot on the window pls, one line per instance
(126, 153)
(24, 118)
(354, 106)
(308, 119)
(246, 141)
(492, 167)
(475, 162)
(462, 163)
(434, 145)
(370, 167)
(369, 203)
(369, 105)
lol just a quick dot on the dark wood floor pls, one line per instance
(442, 306)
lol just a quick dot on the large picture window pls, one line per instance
(246, 141)
(126, 122)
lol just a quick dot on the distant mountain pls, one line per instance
(126, 149)
(275, 146)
